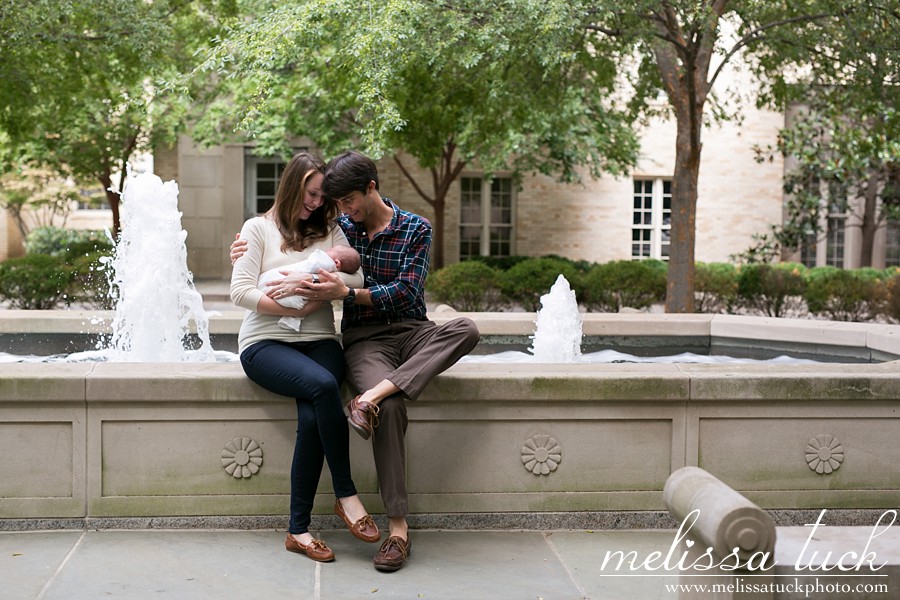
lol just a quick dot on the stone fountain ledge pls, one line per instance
(877, 342)
(138, 442)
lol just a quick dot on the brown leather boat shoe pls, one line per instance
(393, 554)
(316, 549)
(362, 416)
(364, 529)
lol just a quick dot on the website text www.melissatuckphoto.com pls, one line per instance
(809, 587)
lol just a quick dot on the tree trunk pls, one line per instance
(442, 177)
(683, 57)
(870, 219)
(113, 199)
(437, 247)
(680, 280)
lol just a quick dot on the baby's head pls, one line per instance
(345, 258)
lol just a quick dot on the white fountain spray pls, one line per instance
(557, 333)
(156, 302)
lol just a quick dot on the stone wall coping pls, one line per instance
(809, 331)
(877, 336)
(476, 382)
(885, 338)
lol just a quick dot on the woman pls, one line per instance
(307, 365)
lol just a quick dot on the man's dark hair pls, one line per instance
(348, 172)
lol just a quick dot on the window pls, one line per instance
(90, 200)
(486, 227)
(652, 219)
(808, 249)
(261, 176)
(892, 244)
(837, 222)
(834, 242)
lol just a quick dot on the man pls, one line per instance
(391, 348)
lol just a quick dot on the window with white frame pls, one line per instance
(892, 244)
(834, 242)
(837, 223)
(486, 217)
(808, 249)
(261, 177)
(91, 199)
(651, 227)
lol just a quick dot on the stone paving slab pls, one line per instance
(241, 565)
(200, 564)
(583, 553)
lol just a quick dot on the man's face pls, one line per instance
(355, 205)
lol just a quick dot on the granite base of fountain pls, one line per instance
(114, 444)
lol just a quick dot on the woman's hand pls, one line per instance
(321, 286)
(238, 248)
(288, 286)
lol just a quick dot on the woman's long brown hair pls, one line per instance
(296, 234)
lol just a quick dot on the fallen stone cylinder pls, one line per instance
(726, 521)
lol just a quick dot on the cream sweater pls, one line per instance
(264, 253)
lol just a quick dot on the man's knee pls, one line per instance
(467, 331)
(393, 410)
(392, 405)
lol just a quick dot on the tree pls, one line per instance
(845, 142)
(450, 84)
(36, 197)
(682, 48)
(78, 91)
(517, 81)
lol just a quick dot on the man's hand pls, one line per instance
(330, 287)
(238, 248)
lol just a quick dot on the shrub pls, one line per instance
(773, 290)
(891, 307)
(56, 241)
(845, 295)
(500, 263)
(582, 266)
(469, 286)
(531, 278)
(715, 288)
(611, 286)
(35, 282)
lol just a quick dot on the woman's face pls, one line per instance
(312, 196)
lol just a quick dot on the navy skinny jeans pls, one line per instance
(310, 372)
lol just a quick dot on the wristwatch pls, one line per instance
(350, 298)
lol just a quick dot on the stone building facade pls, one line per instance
(596, 220)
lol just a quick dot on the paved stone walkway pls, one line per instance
(253, 565)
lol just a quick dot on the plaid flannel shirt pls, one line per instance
(395, 264)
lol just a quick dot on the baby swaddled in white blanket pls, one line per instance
(336, 258)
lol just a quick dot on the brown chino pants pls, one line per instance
(408, 354)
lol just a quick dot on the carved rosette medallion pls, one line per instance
(541, 454)
(242, 457)
(824, 454)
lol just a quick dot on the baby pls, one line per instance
(336, 258)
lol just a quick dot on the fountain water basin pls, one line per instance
(161, 433)
(102, 442)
